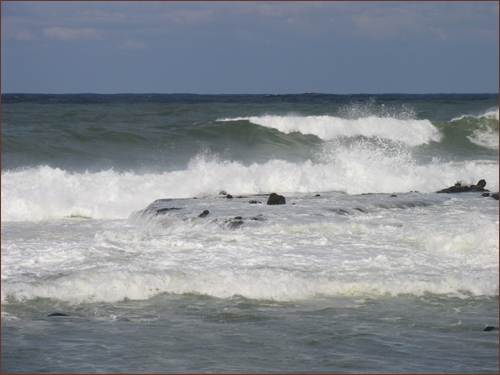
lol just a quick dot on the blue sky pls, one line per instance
(250, 47)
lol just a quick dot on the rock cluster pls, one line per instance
(458, 188)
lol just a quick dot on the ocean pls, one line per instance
(137, 238)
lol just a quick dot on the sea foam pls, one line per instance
(42, 193)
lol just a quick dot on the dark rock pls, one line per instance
(236, 222)
(57, 314)
(393, 195)
(229, 196)
(258, 218)
(481, 183)
(222, 192)
(254, 202)
(204, 213)
(458, 188)
(276, 199)
(485, 194)
(340, 211)
(360, 209)
(490, 328)
(494, 196)
(162, 211)
(317, 195)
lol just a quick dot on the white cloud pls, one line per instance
(64, 33)
(130, 44)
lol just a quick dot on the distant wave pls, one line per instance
(408, 131)
(493, 115)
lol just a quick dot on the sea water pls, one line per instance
(365, 269)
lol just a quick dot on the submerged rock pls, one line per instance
(57, 314)
(162, 211)
(276, 199)
(458, 188)
(490, 328)
(204, 213)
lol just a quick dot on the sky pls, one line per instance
(249, 47)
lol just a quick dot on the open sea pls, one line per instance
(141, 222)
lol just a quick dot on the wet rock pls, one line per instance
(254, 202)
(229, 196)
(360, 209)
(163, 211)
(494, 196)
(276, 199)
(57, 314)
(204, 213)
(458, 188)
(340, 211)
(490, 328)
(235, 222)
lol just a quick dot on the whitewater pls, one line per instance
(142, 221)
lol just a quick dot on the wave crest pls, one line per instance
(409, 131)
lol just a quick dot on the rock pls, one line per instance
(162, 211)
(360, 209)
(222, 192)
(317, 195)
(276, 199)
(494, 196)
(481, 183)
(229, 196)
(490, 328)
(458, 188)
(340, 211)
(57, 314)
(254, 202)
(204, 213)
(235, 222)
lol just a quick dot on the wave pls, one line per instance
(493, 115)
(482, 128)
(43, 192)
(264, 284)
(409, 131)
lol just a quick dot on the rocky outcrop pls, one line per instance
(276, 199)
(458, 188)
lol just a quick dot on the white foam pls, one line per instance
(408, 131)
(485, 137)
(43, 193)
